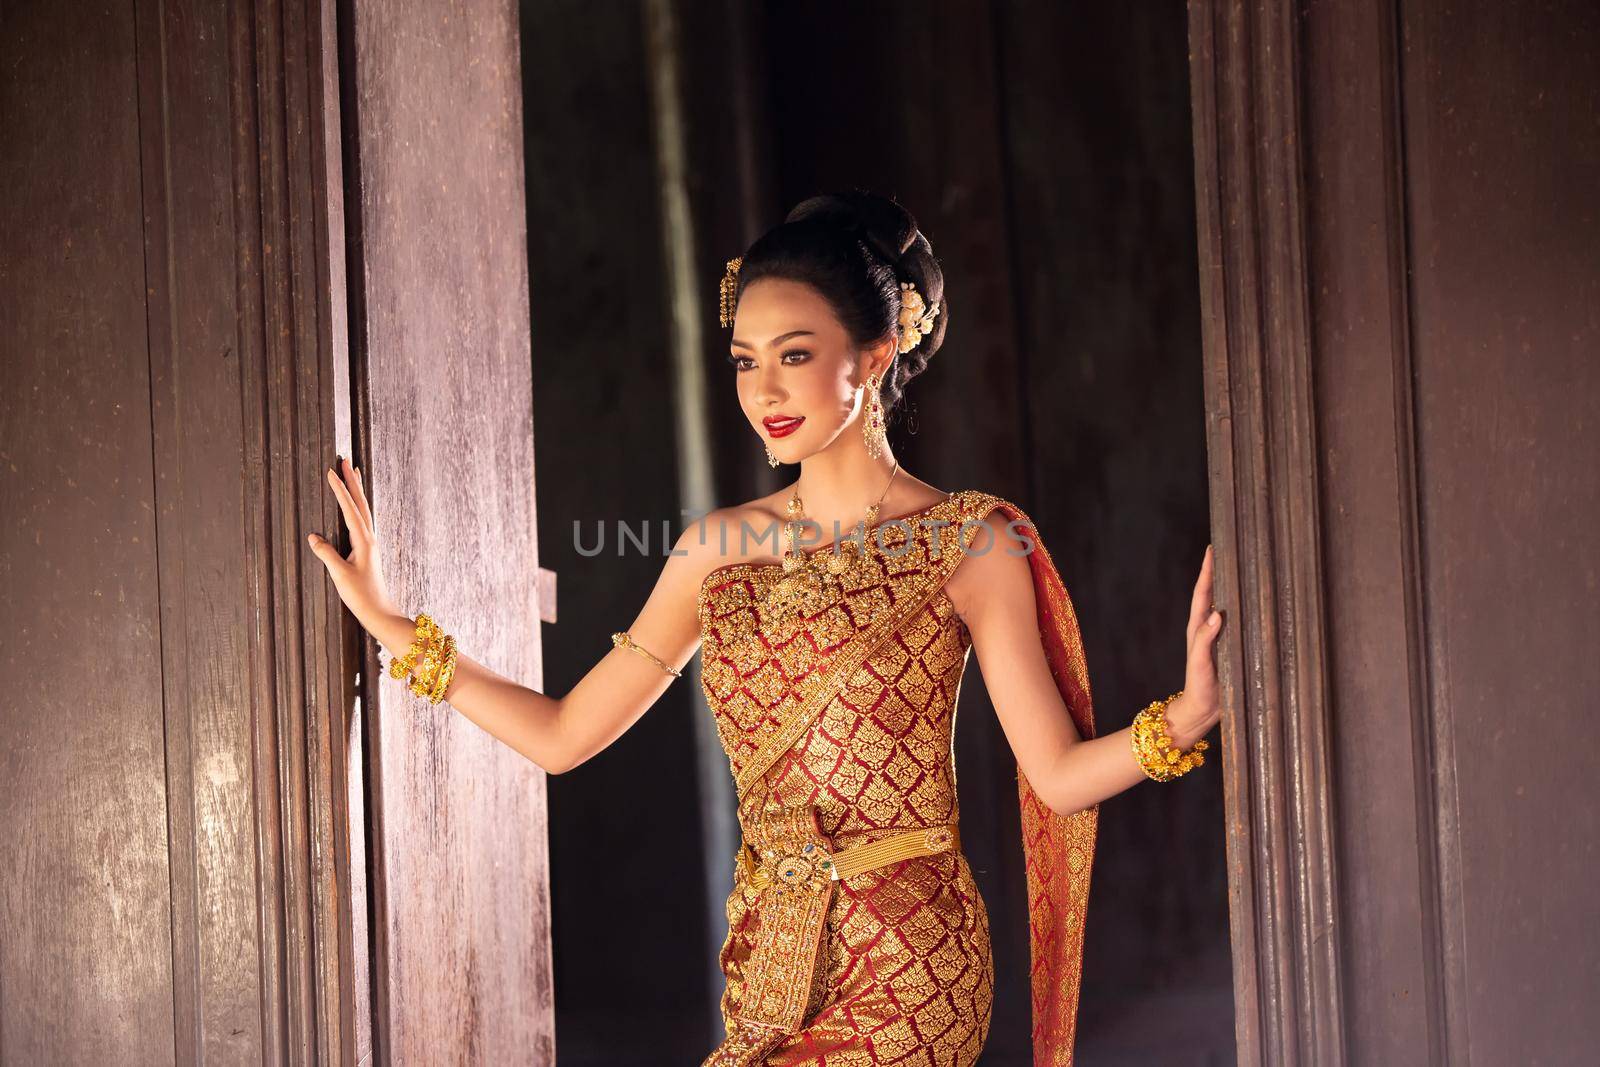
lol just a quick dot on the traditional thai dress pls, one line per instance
(856, 934)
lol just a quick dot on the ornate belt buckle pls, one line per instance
(785, 851)
(808, 867)
(940, 838)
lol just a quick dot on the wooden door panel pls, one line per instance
(85, 949)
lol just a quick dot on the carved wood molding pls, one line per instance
(1262, 443)
(295, 385)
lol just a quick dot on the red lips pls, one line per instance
(782, 425)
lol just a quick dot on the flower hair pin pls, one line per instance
(916, 317)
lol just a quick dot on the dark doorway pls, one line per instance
(1045, 150)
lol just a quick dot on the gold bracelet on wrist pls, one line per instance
(430, 662)
(1153, 747)
(425, 679)
(622, 639)
(439, 680)
(426, 629)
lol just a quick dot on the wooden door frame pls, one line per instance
(283, 114)
(292, 264)
(1246, 86)
(1350, 932)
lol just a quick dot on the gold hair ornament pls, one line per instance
(916, 314)
(916, 317)
(730, 289)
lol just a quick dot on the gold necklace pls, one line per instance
(808, 585)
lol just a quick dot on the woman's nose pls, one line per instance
(768, 390)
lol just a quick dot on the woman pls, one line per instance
(856, 932)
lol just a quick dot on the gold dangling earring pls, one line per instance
(772, 459)
(872, 420)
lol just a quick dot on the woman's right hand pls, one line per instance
(358, 577)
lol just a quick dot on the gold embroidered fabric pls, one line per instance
(837, 725)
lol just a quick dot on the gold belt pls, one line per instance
(786, 852)
(813, 859)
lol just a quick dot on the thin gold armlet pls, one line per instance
(622, 639)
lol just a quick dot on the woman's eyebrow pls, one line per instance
(776, 340)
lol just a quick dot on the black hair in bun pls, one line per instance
(855, 248)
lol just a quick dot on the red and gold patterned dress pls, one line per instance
(837, 722)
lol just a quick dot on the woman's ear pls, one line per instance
(881, 358)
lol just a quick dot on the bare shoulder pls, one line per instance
(737, 533)
(994, 572)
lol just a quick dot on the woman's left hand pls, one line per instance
(359, 576)
(1195, 712)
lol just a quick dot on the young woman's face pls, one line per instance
(798, 375)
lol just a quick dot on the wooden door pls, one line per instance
(1400, 259)
(221, 838)
(175, 756)
(441, 336)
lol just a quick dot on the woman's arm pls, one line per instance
(993, 592)
(623, 685)
(561, 733)
(555, 733)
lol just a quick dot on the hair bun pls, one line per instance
(892, 256)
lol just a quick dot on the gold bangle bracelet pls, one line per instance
(622, 639)
(427, 633)
(1153, 747)
(446, 670)
(429, 665)
(425, 673)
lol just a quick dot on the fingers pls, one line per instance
(357, 518)
(1213, 618)
(358, 487)
(1202, 585)
(360, 534)
(1200, 602)
(326, 551)
(1202, 661)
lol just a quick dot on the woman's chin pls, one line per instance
(787, 449)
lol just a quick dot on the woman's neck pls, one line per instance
(840, 486)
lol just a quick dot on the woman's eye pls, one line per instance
(740, 362)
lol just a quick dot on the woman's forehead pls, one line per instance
(774, 309)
